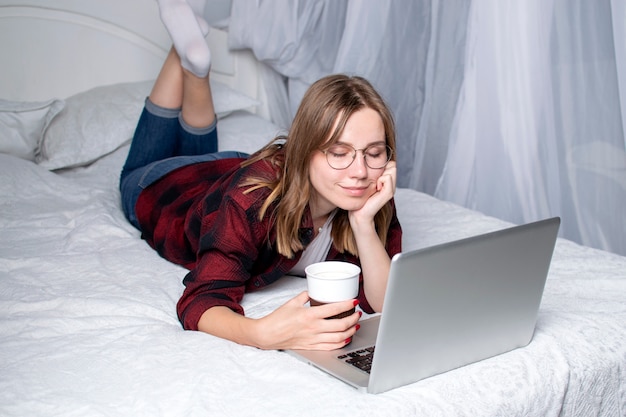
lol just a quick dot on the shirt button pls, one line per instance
(257, 283)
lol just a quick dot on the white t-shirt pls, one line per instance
(317, 249)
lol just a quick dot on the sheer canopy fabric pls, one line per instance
(511, 108)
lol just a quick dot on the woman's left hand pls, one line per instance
(385, 190)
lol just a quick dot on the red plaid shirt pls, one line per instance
(199, 217)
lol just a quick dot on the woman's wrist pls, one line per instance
(222, 322)
(362, 225)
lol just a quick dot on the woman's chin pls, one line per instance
(352, 205)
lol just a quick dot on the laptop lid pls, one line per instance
(450, 305)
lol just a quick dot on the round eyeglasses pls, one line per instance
(341, 156)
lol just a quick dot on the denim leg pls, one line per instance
(196, 141)
(162, 133)
(155, 138)
(164, 142)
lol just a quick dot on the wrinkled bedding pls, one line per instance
(88, 324)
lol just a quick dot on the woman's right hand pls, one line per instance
(295, 326)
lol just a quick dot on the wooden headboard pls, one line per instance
(56, 48)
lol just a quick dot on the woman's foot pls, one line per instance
(185, 23)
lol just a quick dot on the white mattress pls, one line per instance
(88, 324)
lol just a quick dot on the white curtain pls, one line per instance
(514, 108)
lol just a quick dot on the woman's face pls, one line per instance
(348, 188)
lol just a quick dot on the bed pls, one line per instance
(87, 310)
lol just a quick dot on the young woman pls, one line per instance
(240, 223)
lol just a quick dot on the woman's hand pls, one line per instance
(385, 190)
(295, 326)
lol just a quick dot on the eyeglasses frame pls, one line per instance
(389, 156)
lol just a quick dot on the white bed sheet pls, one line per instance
(88, 324)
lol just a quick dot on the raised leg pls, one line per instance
(178, 88)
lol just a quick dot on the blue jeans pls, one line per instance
(162, 143)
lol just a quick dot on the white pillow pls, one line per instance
(22, 125)
(96, 122)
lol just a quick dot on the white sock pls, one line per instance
(187, 28)
(198, 7)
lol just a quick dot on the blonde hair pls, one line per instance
(325, 108)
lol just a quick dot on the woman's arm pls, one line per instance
(375, 261)
(291, 326)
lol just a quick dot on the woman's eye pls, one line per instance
(377, 153)
(338, 152)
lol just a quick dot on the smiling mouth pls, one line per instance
(356, 191)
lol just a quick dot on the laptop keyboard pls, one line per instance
(361, 358)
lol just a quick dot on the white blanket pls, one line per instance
(88, 324)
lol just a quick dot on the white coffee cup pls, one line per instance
(332, 281)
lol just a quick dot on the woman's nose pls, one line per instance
(358, 168)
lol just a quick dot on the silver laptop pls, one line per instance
(447, 306)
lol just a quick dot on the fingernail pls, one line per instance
(360, 314)
(355, 302)
(358, 326)
(348, 340)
